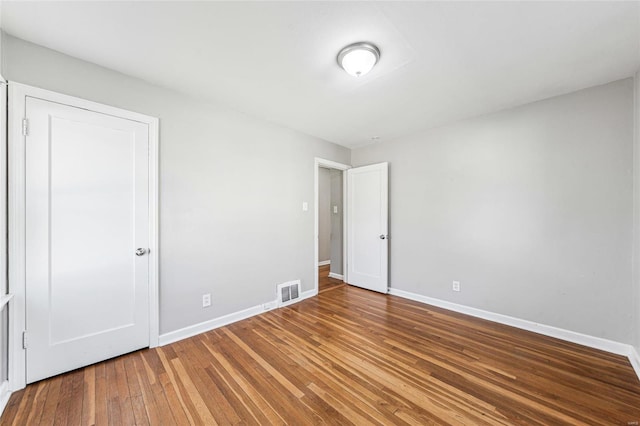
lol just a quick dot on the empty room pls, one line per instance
(319, 212)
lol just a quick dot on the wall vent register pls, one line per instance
(288, 293)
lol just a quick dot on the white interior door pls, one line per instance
(87, 211)
(367, 229)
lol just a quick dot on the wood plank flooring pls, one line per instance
(348, 356)
(324, 282)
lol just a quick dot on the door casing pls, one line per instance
(17, 211)
(337, 166)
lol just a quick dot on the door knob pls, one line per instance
(140, 252)
(382, 237)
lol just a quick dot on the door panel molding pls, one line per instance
(18, 94)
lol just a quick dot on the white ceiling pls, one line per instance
(441, 61)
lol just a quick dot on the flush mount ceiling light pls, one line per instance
(359, 58)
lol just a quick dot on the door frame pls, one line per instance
(17, 214)
(5, 295)
(336, 166)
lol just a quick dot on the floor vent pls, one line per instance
(288, 293)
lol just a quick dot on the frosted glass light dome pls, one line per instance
(359, 58)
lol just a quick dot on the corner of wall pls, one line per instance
(351, 156)
(1, 46)
(636, 213)
(1, 52)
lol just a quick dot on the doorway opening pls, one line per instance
(330, 224)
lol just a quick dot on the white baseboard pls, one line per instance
(324, 262)
(634, 359)
(5, 393)
(336, 276)
(559, 333)
(192, 330)
(307, 294)
(547, 330)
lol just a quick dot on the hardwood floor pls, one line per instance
(324, 282)
(348, 356)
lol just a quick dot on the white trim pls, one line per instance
(344, 227)
(328, 164)
(17, 109)
(307, 294)
(324, 263)
(203, 327)
(5, 394)
(336, 276)
(635, 264)
(16, 249)
(634, 359)
(5, 391)
(547, 330)
(4, 300)
(3, 181)
(337, 166)
(154, 232)
(209, 325)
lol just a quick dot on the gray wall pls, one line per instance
(529, 208)
(324, 215)
(1, 37)
(336, 222)
(1, 49)
(231, 188)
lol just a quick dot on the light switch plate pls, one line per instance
(305, 206)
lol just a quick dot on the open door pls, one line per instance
(367, 227)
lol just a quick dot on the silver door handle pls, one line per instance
(382, 237)
(141, 252)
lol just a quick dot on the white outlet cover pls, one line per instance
(335, 209)
(456, 286)
(305, 206)
(269, 305)
(206, 300)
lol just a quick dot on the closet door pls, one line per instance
(87, 234)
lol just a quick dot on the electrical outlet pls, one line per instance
(456, 286)
(206, 300)
(269, 306)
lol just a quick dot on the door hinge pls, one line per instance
(24, 340)
(25, 127)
